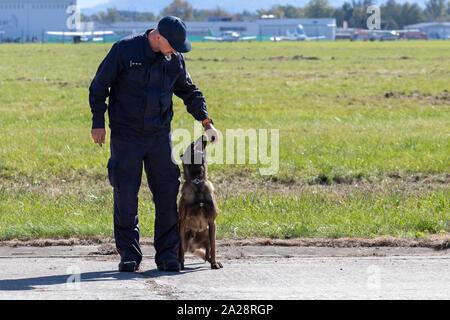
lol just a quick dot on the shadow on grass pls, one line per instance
(110, 275)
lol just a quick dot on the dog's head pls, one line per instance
(194, 160)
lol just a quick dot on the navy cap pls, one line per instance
(174, 30)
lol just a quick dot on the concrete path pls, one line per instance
(250, 272)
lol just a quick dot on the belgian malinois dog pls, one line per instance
(198, 209)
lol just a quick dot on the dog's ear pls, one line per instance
(204, 141)
(200, 144)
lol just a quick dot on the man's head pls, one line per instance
(171, 36)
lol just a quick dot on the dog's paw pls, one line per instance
(216, 265)
(182, 265)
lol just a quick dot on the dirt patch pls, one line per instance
(300, 57)
(155, 287)
(416, 94)
(437, 242)
(105, 249)
(414, 184)
(73, 241)
(242, 183)
(61, 84)
(277, 58)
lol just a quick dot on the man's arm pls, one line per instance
(99, 90)
(192, 97)
(194, 100)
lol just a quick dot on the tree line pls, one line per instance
(393, 15)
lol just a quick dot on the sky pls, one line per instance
(89, 3)
(229, 5)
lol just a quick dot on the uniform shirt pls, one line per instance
(142, 84)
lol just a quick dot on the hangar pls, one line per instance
(27, 20)
(263, 29)
(433, 30)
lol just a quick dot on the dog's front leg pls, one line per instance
(182, 245)
(212, 241)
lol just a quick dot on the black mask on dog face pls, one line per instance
(194, 159)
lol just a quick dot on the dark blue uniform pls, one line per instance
(140, 84)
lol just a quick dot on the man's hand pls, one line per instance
(98, 135)
(211, 132)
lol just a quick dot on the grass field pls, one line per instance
(364, 139)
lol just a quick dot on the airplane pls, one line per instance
(81, 36)
(228, 36)
(298, 35)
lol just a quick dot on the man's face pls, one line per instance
(165, 47)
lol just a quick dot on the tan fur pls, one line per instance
(197, 223)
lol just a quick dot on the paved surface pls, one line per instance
(250, 272)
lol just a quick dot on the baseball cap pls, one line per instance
(174, 30)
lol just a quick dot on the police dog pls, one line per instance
(198, 209)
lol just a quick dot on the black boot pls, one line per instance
(171, 265)
(128, 266)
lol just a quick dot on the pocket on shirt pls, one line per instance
(169, 80)
(165, 101)
(137, 74)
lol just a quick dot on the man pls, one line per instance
(142, 73)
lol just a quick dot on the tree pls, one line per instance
(180, 9)
(358, 18)
(362, 3)
(391, 14)
(201, 15)
(291, 12)
(318, 9)
(411, 14)
(343, 14)
(276, 10)
(245, 15)
(110, 16)
(435, 10)
(283, 11)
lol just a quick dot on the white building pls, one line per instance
(433, 30)
(28, 20)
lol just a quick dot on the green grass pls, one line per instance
(337, 129)
(258, 214)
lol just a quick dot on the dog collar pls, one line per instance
(198, 181)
